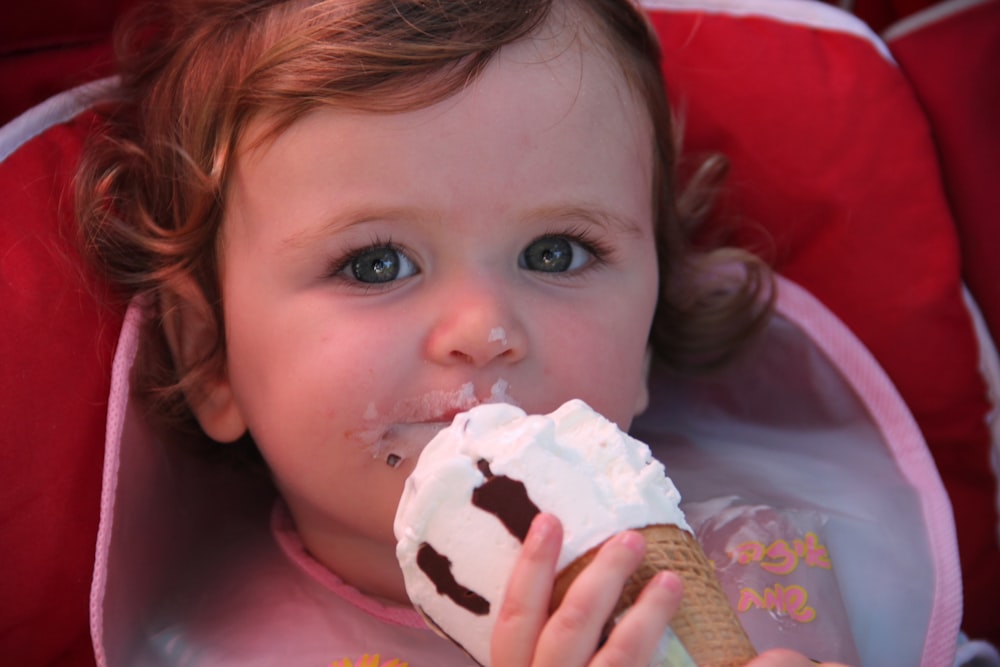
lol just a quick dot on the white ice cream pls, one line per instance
(573, 463)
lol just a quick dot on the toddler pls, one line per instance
(348, 220)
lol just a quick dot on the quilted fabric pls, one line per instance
(951, 55)
(48, 46)
(56, 345)
(882, 13)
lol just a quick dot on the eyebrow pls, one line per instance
(346, 219)
(588, 212)
(343, 220)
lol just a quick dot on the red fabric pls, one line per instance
(954, 66)
(47, 46)
(835, 179)
(56, 346)
(29, 78)
(40, 24)
(881, 13)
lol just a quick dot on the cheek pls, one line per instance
(302, 375)
(600, 360)
(268, 353)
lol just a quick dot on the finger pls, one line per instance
(636, 636)
(785, 658)
(574, 629)
(525, 607)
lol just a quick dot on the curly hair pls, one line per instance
(195, 73)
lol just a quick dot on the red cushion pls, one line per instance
(56, 346)
(881, 13)
(30, 78)
(832, 158)
(47, 46)
(951, 55)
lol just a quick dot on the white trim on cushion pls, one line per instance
(931, 14)
(807, 13)
(989, 366)
(57, 109)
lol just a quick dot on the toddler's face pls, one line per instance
(383, 272)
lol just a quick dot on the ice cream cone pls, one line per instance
(705, 623)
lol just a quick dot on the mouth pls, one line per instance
(406, 430)
(405, 441)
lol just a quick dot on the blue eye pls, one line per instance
(378, 264)
(554, 254)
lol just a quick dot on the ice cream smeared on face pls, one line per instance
(403, 431)
(469, 501)
(497, 334)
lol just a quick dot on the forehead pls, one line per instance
(568, 52)
(551, 119)
(578, 52)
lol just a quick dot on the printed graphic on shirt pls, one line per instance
(368, 661)
(781, 558)
(779, 574)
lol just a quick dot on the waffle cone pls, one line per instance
(705, 623)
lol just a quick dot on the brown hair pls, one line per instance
(151, 187)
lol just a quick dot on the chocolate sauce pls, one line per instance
(507, 499)
(438, 569)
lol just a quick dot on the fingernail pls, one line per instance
(632, 541)
(541, 531)
(669, 581)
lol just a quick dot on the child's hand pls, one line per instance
(526, 636)
(786, 658)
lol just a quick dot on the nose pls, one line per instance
(476, 325)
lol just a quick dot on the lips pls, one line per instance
(413, 422)
(419, 433)
(446, 417)
(406, 440)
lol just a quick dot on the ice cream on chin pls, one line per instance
(466, 508)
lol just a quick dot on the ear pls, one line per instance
(190, 333)
(642, 396)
